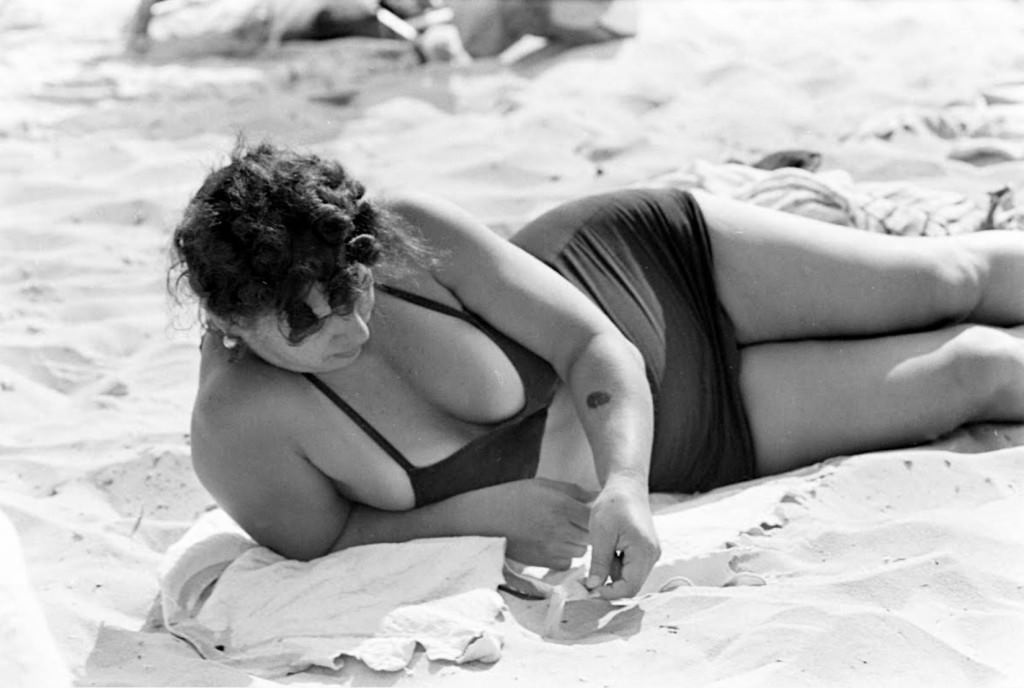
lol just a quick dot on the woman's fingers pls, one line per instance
(600, 560)
(573, 551)
(560, 563)
(575, 503)
(634, 567)
(553, 524)
(579, 516)
(621, 525)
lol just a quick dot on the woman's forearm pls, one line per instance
(543, 521)
(464, 514)
(613, 400)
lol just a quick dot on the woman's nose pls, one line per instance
(353, 327)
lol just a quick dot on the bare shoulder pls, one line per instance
(237, 430)
(441, 221)
(505, 285)
(246, 426)
(411, 204)
(476, 260)
(238, 401)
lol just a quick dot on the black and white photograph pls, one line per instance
(507, 343)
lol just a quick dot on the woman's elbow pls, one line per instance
(300, 546)
(608, 347)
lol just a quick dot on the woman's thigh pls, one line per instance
(811, 400)
(785, 277)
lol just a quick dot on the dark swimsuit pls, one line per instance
(510, 450)
(644, 257)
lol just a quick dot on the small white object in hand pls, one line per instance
(556, 609)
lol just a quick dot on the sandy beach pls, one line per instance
(902, 568)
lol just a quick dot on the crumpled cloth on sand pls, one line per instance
(987, 129)
(833, 196)
(247, 607)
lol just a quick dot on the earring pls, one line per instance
(229, 342)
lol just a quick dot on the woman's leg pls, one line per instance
(784, 277)
(810, 400)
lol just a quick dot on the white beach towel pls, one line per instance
(247, 607)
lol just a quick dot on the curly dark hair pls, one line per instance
(270, 225)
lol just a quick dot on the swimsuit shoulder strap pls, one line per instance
(423, 301)
(360, 421)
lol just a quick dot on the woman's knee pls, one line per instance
(986, 369)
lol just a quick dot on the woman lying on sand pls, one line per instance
(377, 370)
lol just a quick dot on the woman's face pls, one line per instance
(336, 344)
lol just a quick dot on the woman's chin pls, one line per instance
(328, 363)
(344, 358)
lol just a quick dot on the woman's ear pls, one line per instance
(221, 325)
(367, 277)
(229, 337)
(215, 322)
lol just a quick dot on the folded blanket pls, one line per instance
(245, 606)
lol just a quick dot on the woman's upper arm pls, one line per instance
(267, 486)
(505, 285)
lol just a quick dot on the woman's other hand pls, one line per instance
(621, 525)
(545, 521)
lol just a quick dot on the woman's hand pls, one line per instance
(545, 521)
(621, 526)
